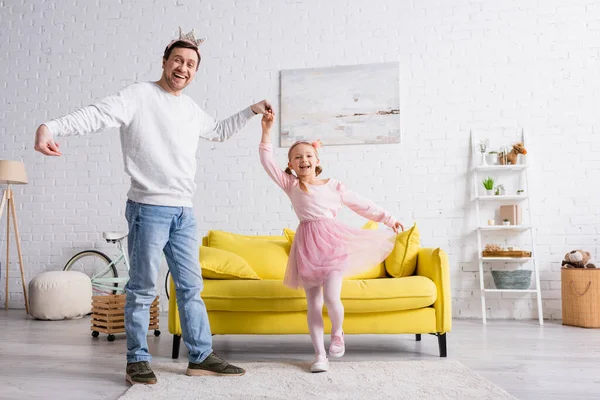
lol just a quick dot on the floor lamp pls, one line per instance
(12, 172)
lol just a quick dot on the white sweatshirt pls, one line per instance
(159, 138)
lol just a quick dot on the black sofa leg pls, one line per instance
(442, 344)
(418, 337)
(176, 342)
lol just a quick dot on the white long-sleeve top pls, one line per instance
(159, 138)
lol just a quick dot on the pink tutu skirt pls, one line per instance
(322, 247)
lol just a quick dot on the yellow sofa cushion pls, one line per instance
(403, 259)
(289, 234)
(260, 296)
(358, 296)
(376, 271)
(221, 264)
(267, 256)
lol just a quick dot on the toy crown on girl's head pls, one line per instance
(189, 37)
(317, 144)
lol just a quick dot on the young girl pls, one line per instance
(324, 251)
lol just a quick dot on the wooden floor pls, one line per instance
(60, 359)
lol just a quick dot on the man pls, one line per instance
(160, 127)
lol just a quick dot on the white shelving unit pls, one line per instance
(503, 197)
(478, 175)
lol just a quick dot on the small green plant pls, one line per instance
(499, 190)
(488, 183)
(505, 220)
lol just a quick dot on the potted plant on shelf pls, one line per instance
(492, 158)
(488, 184)
(500, 190)
(520, 192)
(505, 221)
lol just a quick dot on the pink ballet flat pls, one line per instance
(321, 364)
(337, 348)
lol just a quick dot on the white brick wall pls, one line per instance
(490, 67)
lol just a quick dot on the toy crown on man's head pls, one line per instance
(189, 37)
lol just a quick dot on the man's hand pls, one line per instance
(44, 142)
(262, 107)
(398, 227)
(267, 120)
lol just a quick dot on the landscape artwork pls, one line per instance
(341, 105)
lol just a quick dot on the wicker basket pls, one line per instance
(580, 297)
(516, 279)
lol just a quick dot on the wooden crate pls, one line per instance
(580, 289)
(108, 314)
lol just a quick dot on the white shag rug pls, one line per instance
(440, 379)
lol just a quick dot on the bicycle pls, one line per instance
(103, 271)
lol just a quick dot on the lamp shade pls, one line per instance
(12, 172)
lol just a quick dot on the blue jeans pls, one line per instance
(152, 231)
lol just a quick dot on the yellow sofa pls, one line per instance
(244, 293)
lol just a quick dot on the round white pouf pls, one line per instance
(55, 295)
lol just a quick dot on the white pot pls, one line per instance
(492, 159)
(505, 222)
(489, 192)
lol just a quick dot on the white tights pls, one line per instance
(331, 293)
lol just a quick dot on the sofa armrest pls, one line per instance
(433, 264)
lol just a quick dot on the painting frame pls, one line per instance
(341, 105)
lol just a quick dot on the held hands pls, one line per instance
(398, 227)
(267, 120)
(261, 107)
(44, 142)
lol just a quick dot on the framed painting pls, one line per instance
(342, 105)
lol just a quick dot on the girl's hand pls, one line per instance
(261, 107)
(267, 120)
(398, 227)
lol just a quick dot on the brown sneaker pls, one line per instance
(214, 365)
(140, 372)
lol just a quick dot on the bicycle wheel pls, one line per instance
(96, 265)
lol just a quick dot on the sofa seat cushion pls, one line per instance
(358, 296)
(260, 296)
(388, 294)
